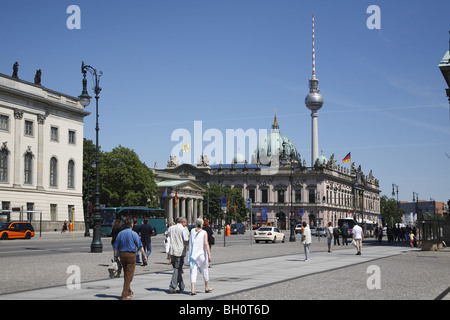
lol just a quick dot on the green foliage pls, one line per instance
(124, 179)
(234, 195)
(389, 211)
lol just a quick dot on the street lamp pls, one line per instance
(283, 158)
(444, 66)
(85, 99)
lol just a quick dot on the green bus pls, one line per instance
(109, 215)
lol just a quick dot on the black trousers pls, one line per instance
(177, 276)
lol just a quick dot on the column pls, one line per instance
(195, 204)
(189, 210)
(200, 208)
(18, 115)
(40, 152)
(170, 210)
(183, 208)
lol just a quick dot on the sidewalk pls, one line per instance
(225, 278)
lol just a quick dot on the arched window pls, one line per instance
(28, 168)
(4, 152)
(70, 174)
(53, 172)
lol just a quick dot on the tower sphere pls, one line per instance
(314, 101)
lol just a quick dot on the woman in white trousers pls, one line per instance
(199, 256)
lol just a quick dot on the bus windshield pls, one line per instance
(157, 218)
(108, 216)
(349, 221)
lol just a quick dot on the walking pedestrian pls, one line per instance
(137, 229)
(179, 238)
(146, 238)
(329, 232)
(167, 241)
(358, 237)
(125, 247)
(412, 237)
(199, 255)
(210, 233)
(336, 234)
(64, 227)
(306, 239)
(344, 232)
(380, 234)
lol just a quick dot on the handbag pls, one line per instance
(353, 242)
(211, 240)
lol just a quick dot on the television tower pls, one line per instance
(314, 102)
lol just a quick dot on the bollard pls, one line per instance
(227, 230)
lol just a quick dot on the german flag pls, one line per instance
(176, 198)
(347, 158)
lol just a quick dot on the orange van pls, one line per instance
(16, 230)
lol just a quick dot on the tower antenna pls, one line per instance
(313, 51)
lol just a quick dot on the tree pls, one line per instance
(234, 196)
(389, 212)
(125, 180)
(89, 170)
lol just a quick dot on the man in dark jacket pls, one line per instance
(344, 232)
(146, 234)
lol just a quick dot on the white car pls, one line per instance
(268, 234)
(298, 228)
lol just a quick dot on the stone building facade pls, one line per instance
(41, 153)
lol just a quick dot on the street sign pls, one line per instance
(300, 211)
(223, 201)
(248, 203)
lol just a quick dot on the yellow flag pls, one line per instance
(186, 147)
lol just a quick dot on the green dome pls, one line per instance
(238, 158)
(279, 141)
(322, 160)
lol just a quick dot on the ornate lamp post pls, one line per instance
(85, 99)
(283, 160)
(444, 66)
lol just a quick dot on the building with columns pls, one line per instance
(180, 195)
(41, 152)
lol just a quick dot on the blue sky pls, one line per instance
(230, 63)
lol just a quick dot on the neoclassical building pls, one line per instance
(320, 194)
(41, 152)
(180, 195)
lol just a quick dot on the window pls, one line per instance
(280, 196)
(251, 195)
(28, 128)
(54, 134)
(71, 137)
(264, 195)
(53, 212)
(53, 172)
(6, 205)
(70, 174)
(4, 164)
(30, 207)
(28, 168)
(312, 195)
(4, 122)
(298, 195)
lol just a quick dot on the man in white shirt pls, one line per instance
(357, 233)
(306, 239)
(179, 239)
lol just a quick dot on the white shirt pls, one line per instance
(178, 235)
(357, 232)
(307, 235)
(329, 232)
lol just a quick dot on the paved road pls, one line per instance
(240, 271)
